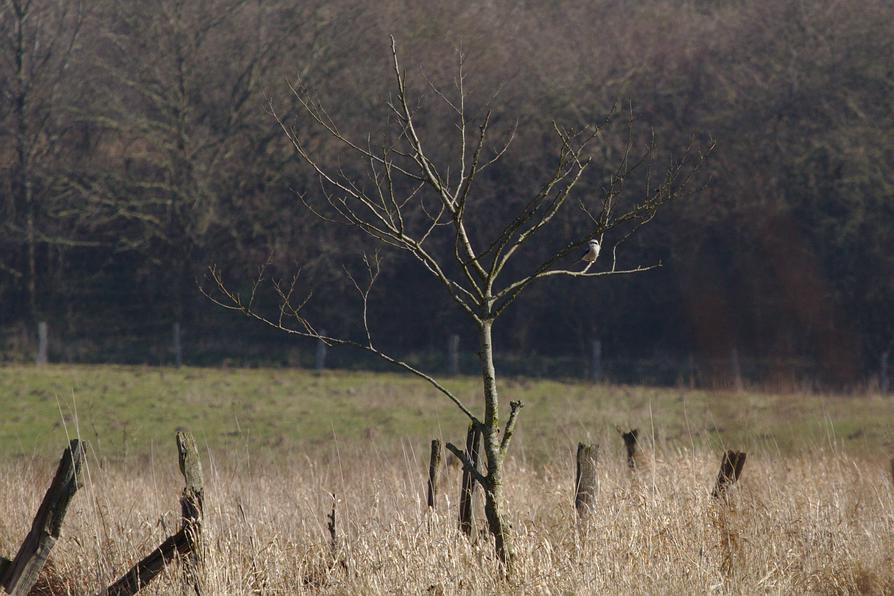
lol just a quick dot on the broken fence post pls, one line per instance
(630, 444)
(585, 479)
(730, 469)
(466, 519)
(19, 575)
(187, 542)
(434, 464)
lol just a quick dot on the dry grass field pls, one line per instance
(813, 513)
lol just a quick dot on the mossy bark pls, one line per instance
(494, 507)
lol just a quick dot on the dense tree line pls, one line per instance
(138, 145)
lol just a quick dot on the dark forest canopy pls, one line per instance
(137, 147)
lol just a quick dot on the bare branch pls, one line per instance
(514, 406)
(466, 463)
(233, 301)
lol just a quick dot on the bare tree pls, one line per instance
(413, 201)
(39, 42)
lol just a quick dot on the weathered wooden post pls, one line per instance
(434, 464)
(596, 361)
(333, 528)
(726, 518)
(453, 354)
(467, 491)
(630, 439)
(585, 479)
(42, 343)
(320, 363)
(19, 575)
(187, 542)
(730, 469)
(178, 346)
(192, 505)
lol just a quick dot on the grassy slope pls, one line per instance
(134, 408)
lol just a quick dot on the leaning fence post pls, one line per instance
(42, 343)
(20, 574)
(468, 486)
(585, 479)
(187, 542)
(434, 464)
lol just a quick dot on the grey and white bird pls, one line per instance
(592, 252)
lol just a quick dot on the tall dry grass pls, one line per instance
(820, 522)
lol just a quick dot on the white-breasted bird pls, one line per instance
(592, 252)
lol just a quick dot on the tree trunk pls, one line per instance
(494, 509)
(23, 183)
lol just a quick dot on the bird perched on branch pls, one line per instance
(592, 252)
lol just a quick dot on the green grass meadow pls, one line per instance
(131, 411)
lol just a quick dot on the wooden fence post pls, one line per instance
(596, 361)
(178, 346)
(453, 354)
(585, 479)
(42, 343)
(466, 520)
(630, 444)
(726, 520)
(333, 528)
(19, 575)
(730, 469)
(320, 360)
(187, 542)
(434, 464)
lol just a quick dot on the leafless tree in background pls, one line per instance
(411, 201)
(39, 43)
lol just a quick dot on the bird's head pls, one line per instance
(594, 242)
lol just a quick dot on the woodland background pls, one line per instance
(138, 147)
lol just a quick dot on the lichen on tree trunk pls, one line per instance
(494, 509)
